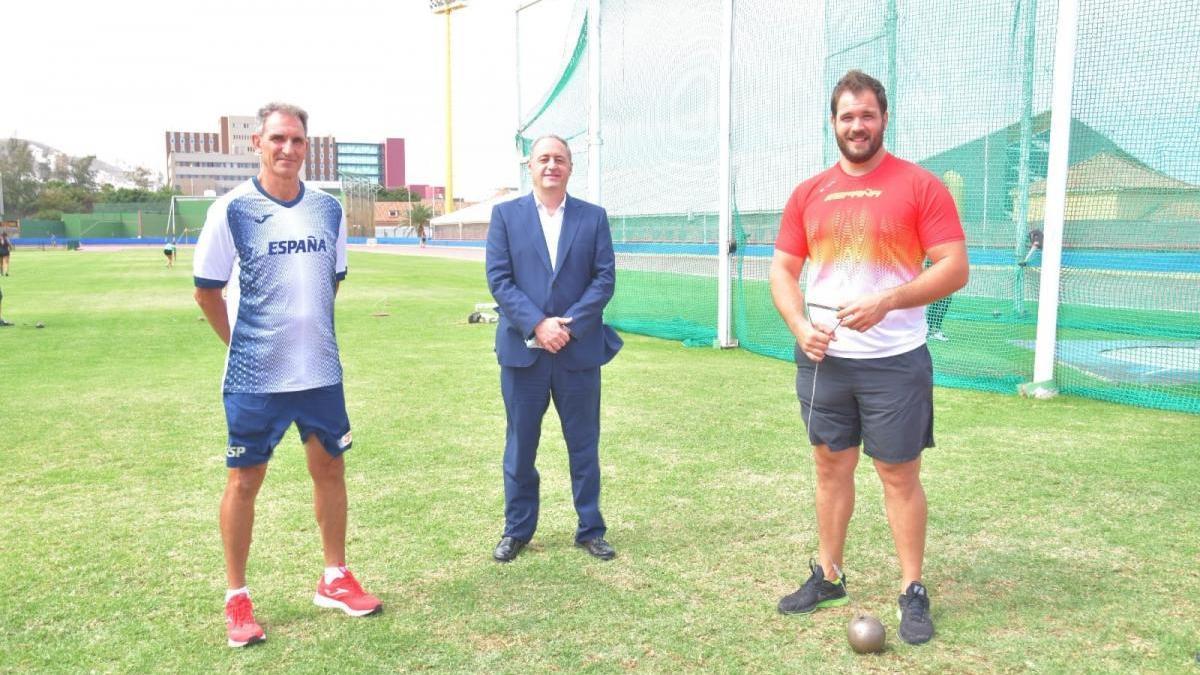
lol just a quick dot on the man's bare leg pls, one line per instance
(237, 519)
(329, 499)
(907, 512)
(835, 504)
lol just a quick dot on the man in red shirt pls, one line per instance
(864, 228)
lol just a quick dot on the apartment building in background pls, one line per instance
(213, 163)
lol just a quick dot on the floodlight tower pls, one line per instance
(447, 7)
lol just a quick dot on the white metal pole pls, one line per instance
(517, 126)
(1056, 198)
(724, 337)
(517, 58)
(595, 141)
(889, 31)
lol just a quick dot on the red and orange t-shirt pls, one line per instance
(864, 234)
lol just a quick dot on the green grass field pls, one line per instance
(1063, 533)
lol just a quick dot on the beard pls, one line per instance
(874, 143)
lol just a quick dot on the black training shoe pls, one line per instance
(916, 628)
(816, 593)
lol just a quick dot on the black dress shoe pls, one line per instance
(507, 549)
(598, 548)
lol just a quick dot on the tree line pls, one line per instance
(400, 194)
(47, 189)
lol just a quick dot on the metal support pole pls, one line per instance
(447, 7)
(449, 133)
(893, 94)
(517, 53)
(595, 140)
(1056, 199)
(1021, 226)
(725, 338)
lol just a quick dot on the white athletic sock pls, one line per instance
(237, 591)
(334, 573)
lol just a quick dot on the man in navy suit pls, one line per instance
(551, 269)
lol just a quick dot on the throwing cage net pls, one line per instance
(969, 90)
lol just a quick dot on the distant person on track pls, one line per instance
(169, 252)
(3, 323)
(6, 247)
(936, 314)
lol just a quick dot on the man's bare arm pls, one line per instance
(212, 303)
(789, 301)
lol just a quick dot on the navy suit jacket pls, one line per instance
(528, 290)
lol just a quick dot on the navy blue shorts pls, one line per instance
(884, 404)
(257, 422)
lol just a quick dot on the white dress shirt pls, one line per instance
(551, 226)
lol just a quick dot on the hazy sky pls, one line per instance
(109, 78)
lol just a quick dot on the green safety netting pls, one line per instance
(139, 220)
(969, 87)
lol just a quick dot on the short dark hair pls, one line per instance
(285, 108)
(856, 81)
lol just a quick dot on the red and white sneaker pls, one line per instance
(240, 624)
(345, 594)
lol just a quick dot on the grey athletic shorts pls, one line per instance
(884, 404)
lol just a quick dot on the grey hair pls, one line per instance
(556, 137)
(285, 108)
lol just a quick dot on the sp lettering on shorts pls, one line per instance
(234, 451)
(344, 441)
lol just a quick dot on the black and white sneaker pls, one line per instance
(816, 593)
(916, 628)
